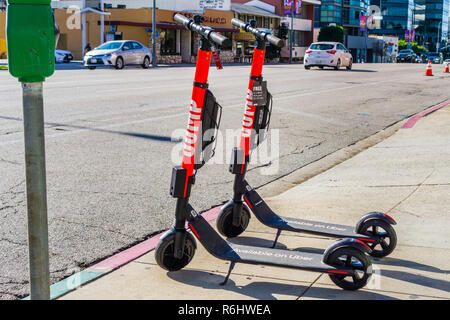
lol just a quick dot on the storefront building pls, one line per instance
(2, 35)
(244, 42)
(174, 44)
(303, 29)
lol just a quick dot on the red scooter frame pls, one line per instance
(343, 260)
(234, 216)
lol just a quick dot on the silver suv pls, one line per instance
(118, 54)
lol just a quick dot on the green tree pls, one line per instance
(419, 50)
(332, 33)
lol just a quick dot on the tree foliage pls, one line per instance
(332, 33)
(419, 50)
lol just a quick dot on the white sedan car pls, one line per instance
(328, 54)
(63, 56)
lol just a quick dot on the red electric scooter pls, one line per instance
(345, 261)
(374, 229)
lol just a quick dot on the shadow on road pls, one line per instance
(342, 70)
(61, 127)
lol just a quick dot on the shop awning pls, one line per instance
(253, 11)
(162, 25)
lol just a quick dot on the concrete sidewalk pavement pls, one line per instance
(407, 176)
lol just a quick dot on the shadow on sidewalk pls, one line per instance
(263, 290)
(395, 274)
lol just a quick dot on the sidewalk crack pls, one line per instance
(411, 193)
(309, 287)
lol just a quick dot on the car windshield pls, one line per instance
(321, 46)
(433, 55)
(109, 46)
(405, 51)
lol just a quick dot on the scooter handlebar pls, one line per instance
(257, 33)
(204, 31)
(240, 24)
(182, 19)
(275, 40)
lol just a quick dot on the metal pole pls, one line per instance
(292, 32)
(439, 37)
(33, 120)
(154, 63)
(102, 23)
(366, 33)
(83, 30)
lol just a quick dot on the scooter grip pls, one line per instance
(239, 23)
(275, 41)
(219, 39)
(181, 19)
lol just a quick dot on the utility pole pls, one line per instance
(83, 29)
(291, 41)
(154, 63)
(102, 22)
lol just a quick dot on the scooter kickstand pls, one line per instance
(276, 238)
(229, 273)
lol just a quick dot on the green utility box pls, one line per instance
(30, 36)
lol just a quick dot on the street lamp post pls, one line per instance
(154, 35)
(291, 41)
(439, 37)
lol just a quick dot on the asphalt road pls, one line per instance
(110, 147)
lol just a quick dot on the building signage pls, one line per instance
(298, 7)
(288, 7)
(362, 22)
(406, 35)
(208, 19)
(199, 5)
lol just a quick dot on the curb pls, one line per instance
(112, 263)
(413, 120)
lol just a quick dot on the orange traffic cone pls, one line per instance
(429, 71)
(447, 68)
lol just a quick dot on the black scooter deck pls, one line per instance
(269, 218)
(225, 250)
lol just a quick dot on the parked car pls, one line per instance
(63, 56)
(419, 59)
(118, 54)
(406, 55)
(328, 54)
(435, 57)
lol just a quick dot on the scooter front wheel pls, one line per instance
(386, 233)
(165, 252)
(225, 221)
(354, 259)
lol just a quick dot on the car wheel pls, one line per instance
(91, 68)
(350, 64)
(307, 67)
(119, 63)
(146, 63)
(338, 65)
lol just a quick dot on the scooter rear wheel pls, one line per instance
(387, 234)
(165, 252)
(354, 259)
(225, 222)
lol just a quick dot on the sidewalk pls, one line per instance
(407, 176)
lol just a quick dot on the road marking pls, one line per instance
(313, 116)
(69, 133)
